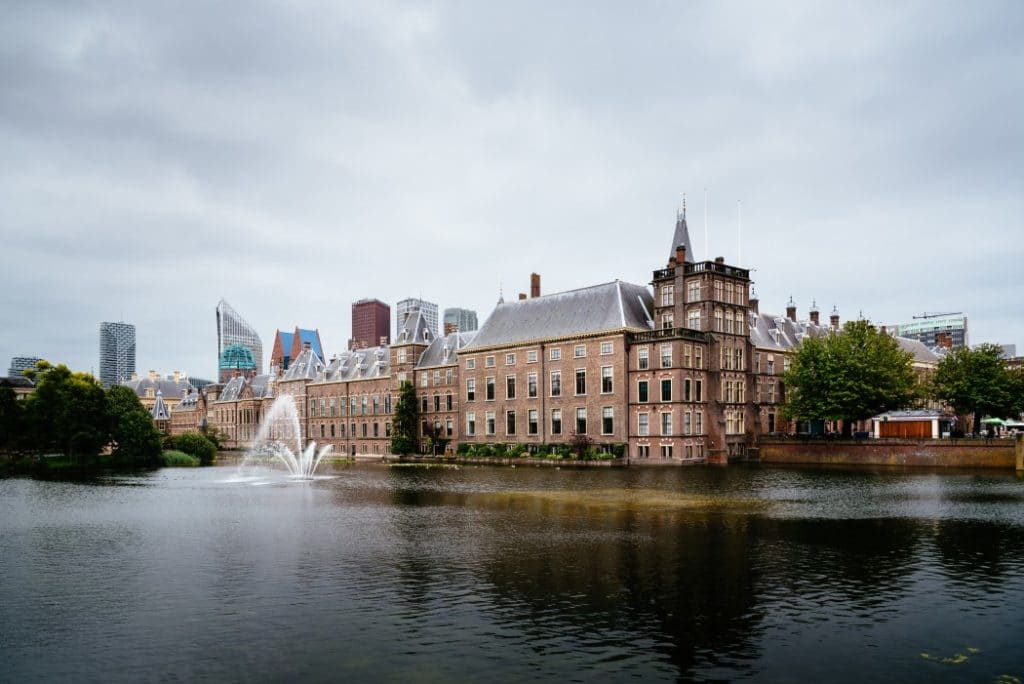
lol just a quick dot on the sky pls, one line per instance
(295, 157)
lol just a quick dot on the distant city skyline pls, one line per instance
(873, 147)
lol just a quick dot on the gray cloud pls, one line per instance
(293, 158)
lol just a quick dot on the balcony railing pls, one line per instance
(714, 267)
(668, 334)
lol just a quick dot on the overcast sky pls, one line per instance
(293, 158)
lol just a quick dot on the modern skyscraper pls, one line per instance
(20, 363)
(233, 330)
(463, 320)
(428, 309)
(371, 320)
(936, 330)
(117, 352)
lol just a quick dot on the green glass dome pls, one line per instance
(237, 356)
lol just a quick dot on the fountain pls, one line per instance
(278, 432)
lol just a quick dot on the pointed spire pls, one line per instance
(501, 293)
(681, 236)
(814, 306)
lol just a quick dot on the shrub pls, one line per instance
(178, 459)
(197, 445)
(543, 450)
(516, 450)
(618, 450)
(464, 449)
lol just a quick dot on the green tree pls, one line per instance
(404, 435)
(11, 419)
(977, 381)
(67, 413)
(849, 376)
(134, 438)
(195, 444)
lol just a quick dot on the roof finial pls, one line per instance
(501, 293)
(684, 206)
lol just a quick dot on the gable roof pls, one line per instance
(358, 364)
(306, 366)
(442, 351)
(588, 310)
(415, 330)
(312, 337)
(160, 411)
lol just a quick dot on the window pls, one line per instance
(785, 364)
(718, 290)
(556, 383)
(555, 354)
(531, 421)
(579, 351)
(437, 402)
(489, 423)
(556, 421)
(364, 402)
(510, 387)
(693, 319)
(489, 395)
(531, 356)
(687, 423)
(666, 390)
(470, 364)
(641, 391)
(424, 405)
(510, 422)
(437, 378)
(471, 424)
(341, 430)
(668, 295)
(668, 321)
(581, 381)
(666, 424)
(771, 365)
(448, 376)
(693, 291)
(448, 402)
(581, 421)
(402, 355)
(698, 358)
(471, 389)
(607, 420)
(697, 427)
(376, 429)
(531, 385)
(757, 362)
(606, 348)
(771, 392)
(666, 356)
(687, 356)
(424, 379)
(718, 320)
(643, 427)
(643, 451)
(510, 359)
(606, 379)
(697, 391)
(489, 362)
(643, 360)
(332, 407)
(666, 451)
(364, 429)
(686, 389)
(448, 428)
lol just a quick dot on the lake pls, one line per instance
(413, 574)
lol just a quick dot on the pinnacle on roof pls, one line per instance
(814, 306)
(681, 237)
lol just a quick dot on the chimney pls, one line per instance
(135, 376)
(522, 296)
(680, 254)
(672, 262)
(153, 375)
(306, 345)
(534, 285)
(450, 328)
(833, 320)
(815, 315)
(719, 260)
(791, 309)
(177, 376)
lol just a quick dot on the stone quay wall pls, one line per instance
(942, 453)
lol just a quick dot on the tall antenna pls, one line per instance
(739, 232)
(707, 249)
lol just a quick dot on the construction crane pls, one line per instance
(938, 315)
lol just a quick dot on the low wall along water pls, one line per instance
(944, 453)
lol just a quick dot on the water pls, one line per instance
(490, 574)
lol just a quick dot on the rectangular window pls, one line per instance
(332, 407)
(667, 295)
(641, 391)
(697, 393)
(424, 379)
(606, 348)
(643, 360)
(437, 402)
(693, 319)
(666, 356)
(693, 291)
(643, 427)
(364, 402)
(531, 421)
(687, 355)
(555, 354)
(510, 359)
(666, 424)
(424, 406)
(579, 351)
(771, 365)
(718, 291)
(698, 358)
(666, 390)
(448, 376)
(489, 424)
(510, 387)
(448, 428)
(666, 451)
(470, 364)
(471, 424)
(581, 421)
(687, 423)
(510, 422)
(447, 402)
(376, 429)
(531, 356)
(697, 427)
(364, 429)
(757, 362)
(606, 379)
(471, 389)
(686, 389)
(581, 381)
(667, 321)
(531, 385)
(607, 420)
(489, 362)
(437, 377)
(401, 355)
(489, 396)
(556, 383)
(556, 421)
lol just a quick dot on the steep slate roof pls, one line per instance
(415, 330)
(262, 386)
(442, 350)
(168, 386)
(160, 411)
(922, 354)
(598, 308)
(360, 364)
(305, 366)
(681, 237)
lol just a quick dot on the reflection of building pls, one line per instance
(233, 330)
(22, 363)
(371, 324)
(948, 331)
(117, 352)
(459, 320)
(428, 310)
(288, 345)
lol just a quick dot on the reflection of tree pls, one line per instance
(976, 555)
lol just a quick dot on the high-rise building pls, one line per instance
(936, 330)
(428, 310)
(21, 363)
(117, 352)
(461, 320)
(234, 331)
(371, 321)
